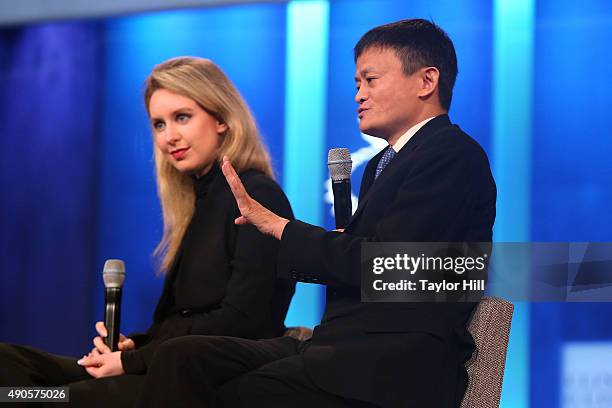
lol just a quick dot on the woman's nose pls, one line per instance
(172, 134)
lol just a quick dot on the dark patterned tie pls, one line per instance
(386, 158)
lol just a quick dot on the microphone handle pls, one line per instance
(343, 207)
(112, 317)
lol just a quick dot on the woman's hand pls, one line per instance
(102, 365)
(252, 212)
(125, 343)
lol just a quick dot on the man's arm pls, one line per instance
(430, 199)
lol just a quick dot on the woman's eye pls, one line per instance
(182, 117)
(158, 125)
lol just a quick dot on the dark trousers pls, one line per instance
(28, 367)
(214, 371)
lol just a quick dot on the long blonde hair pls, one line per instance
(204, 82)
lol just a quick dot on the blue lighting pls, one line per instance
(512, 123)
(305, 107)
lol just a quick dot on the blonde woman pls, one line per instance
(220, 277)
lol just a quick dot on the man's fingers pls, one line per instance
(233, 180)
(101, 329)
(241, 220)
(251, 211)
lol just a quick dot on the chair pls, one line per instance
(490, 327)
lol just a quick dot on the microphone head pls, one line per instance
(113, 273)
(339, 163)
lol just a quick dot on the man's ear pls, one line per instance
(429, 81)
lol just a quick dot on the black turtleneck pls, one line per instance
(202, 184)
(190, 241)
(223, 281)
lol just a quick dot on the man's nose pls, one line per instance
(361, 95)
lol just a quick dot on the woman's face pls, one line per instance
(185, 133)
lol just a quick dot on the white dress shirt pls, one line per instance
(408, 135)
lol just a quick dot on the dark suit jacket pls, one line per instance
(223, 281)
(438, 188)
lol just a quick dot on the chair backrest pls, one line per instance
(490, 327)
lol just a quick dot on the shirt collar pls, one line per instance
(408, 135)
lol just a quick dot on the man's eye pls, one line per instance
(182, 117)
(368, 80)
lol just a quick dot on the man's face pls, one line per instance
(388, 99)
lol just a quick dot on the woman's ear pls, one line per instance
(221, 127)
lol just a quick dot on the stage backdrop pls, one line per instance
(77, 176)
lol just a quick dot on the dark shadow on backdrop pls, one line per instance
(49, 101)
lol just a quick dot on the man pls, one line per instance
(432, 183)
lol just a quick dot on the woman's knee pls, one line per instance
(181, 350)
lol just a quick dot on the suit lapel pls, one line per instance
(368, 174)
(432, 127)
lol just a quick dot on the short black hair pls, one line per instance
(417, 43)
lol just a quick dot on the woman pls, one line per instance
(220, 277)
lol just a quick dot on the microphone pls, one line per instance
(113, 275)
(340, 164)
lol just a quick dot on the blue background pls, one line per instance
(77, 180)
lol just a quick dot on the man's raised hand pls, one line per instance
(251, 211)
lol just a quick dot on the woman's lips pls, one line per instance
(179, 154)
